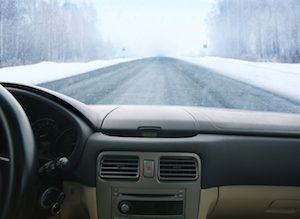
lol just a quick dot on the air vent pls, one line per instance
(177, 168)
(119, 167)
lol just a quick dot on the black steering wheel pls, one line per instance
(19, 192)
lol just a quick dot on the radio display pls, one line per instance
(153, 207)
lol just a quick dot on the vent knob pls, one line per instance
(124, 207)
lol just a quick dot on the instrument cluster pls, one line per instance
(53, 138)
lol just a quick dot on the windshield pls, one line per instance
(240, 54)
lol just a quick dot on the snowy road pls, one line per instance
(168, 81)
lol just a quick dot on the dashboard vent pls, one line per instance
(177, 168)
(119, 167)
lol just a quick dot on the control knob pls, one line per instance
(124, 207)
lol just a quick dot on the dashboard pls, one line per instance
(133, 162)
(55, 134)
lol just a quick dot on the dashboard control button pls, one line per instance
(124, 208)
(148, 168)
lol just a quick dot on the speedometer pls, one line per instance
(44, 131)
(66, 143)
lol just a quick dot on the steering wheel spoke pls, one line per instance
(4, 161)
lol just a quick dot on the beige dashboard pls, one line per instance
(218, 202)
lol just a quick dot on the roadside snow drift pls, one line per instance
(278, 78)
(50, 71)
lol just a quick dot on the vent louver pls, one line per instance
(177, 168)
(119, 167)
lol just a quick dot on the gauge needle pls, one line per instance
(44, 135)
(72, 144)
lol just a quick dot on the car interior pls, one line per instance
(62, 159)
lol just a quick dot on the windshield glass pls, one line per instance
(240, 54)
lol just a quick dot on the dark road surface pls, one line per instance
(168, 81)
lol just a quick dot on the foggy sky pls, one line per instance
(153, 27)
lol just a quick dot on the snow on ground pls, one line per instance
(280, 78)
(283, 79)
(49, 71)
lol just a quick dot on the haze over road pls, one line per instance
(168, 81)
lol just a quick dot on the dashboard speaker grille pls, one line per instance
(177, 168)
(119, 167)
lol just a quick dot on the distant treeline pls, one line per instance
(48, 30)
(259, 30)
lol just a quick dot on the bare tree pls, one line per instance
(38, 30)
(264, 30)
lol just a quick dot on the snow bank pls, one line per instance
(280, 78)
(49, 71)
(283, 79)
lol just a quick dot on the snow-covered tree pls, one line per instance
(40, 30)
(265, 30)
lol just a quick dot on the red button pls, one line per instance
(148, 168)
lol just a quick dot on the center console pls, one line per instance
(143, 185)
